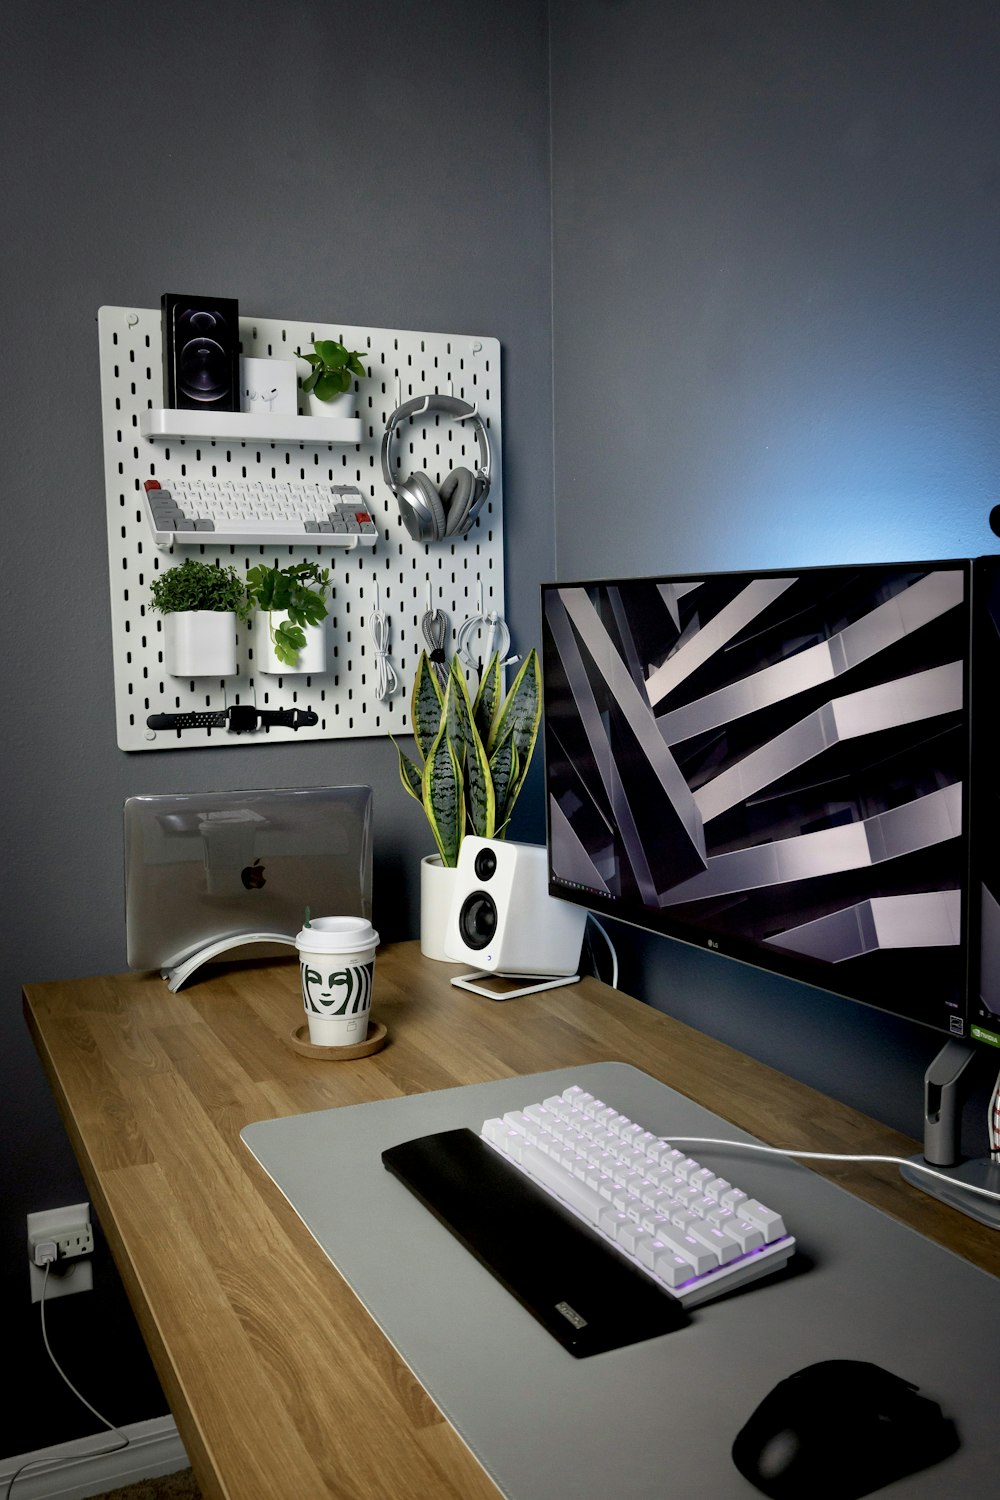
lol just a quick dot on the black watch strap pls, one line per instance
(197, 720)
(242, 718)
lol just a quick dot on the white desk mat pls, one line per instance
(657, 1418)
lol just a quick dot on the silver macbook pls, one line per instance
(208, 872)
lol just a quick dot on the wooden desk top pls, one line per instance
(280, 1383)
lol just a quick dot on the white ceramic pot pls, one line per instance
(200, 643)
(437, 886)
(339, 408)
(312, 657)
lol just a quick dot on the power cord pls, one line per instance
(386, 678)
(45, 1254)
(897, 1161)
(993, 1121)
(611, 949)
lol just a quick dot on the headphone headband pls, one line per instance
(450, 406)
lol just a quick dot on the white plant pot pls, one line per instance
(437, 886)
(200, 643)
(339, 408)
(312, 657)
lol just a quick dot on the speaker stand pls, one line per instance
(514, 990)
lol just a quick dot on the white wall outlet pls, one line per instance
(71, 1231)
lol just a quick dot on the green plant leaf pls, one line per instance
(426, 705)
(332, 383)
(409, 774)
(480, 802)
(503, 772)
(520, 716)
(443, 796)
(356, 367)
(288, 641)
(332, 353)
(488, 699)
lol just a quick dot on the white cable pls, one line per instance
(497, 631)
(993, 1121)
(94, 1453)
(611, 950)
(386, 679)
(898, 1161)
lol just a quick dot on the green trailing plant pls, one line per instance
(299, 591)
(474, 755)
(198, 585)
(333, 369)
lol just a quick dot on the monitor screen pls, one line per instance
(776, 766)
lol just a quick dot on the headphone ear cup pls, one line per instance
(424, 490)
(457, 492)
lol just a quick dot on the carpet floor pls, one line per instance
(179, 1486)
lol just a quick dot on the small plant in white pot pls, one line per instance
(200, 605)
(290, 606)
(475, 756)
(333, 368)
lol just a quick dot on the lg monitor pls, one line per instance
(796, 769)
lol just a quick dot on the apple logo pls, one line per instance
(253, 876)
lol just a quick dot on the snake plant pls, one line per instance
(474, 755)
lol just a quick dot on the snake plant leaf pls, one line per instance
(480, 802)
(521, 711)
(410, 774)
(443, 796)
(426, 706)
(487, 702)
(503, 770)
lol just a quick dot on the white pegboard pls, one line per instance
(404, 578)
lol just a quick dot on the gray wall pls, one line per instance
(776, 320)
(383, 164)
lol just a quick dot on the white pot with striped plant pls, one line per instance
(473, 758)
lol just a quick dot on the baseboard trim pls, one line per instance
(73, 1471)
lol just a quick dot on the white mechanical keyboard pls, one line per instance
(234, 510)
(694, 1233)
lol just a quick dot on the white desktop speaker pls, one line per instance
(504, 920)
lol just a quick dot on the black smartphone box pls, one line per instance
(201, 353)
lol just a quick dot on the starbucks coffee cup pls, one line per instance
(337, 964)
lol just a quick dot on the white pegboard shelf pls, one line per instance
(400, 578)
(249, 427)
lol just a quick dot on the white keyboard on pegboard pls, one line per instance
(189, 512)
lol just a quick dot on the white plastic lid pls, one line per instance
(337, 935)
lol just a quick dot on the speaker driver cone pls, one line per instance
(477, 921)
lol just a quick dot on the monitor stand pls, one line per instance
(176, 974)
(945, 1087)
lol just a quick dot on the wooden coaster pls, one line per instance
(299, 1041)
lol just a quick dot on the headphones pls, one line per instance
(429, 513)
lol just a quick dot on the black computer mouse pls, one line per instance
(838, 1430)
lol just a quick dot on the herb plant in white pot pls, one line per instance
(474, 758)
(200, 605)
(290, 608)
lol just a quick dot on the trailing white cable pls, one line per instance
(611, 950)
(97, 1452)
(899, 1161)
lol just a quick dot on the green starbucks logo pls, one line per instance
(341, 992)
